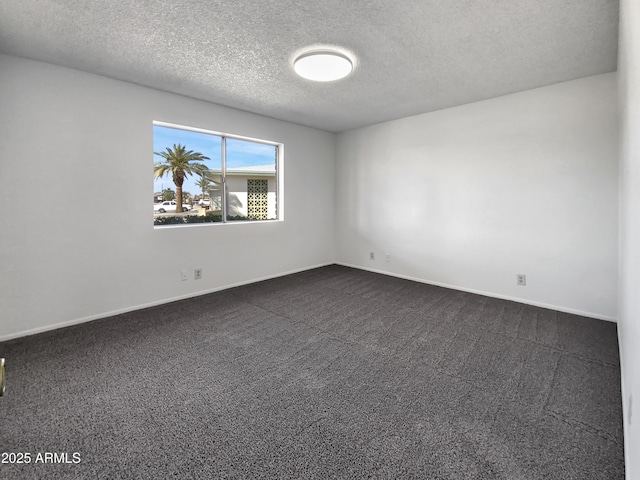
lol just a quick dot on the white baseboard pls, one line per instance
(558, 308)
(626, 408)
(111, 313)
(132, 308)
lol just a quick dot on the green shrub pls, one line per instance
(169, 220)
(209, 217)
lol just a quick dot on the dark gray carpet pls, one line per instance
(329, 373)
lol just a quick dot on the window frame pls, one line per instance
(279, 173)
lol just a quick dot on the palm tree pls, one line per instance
(187, 197)
(203, 184)
(209, 181)
(179, 162)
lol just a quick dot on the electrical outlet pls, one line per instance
(197, 273)
(372, 255)
(185, 275)
(387, 257)
(521, 279)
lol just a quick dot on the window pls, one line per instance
(204, 177)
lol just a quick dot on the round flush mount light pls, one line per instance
(323, 65)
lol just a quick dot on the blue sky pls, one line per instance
(240, 153)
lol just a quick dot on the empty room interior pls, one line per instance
(426, 266)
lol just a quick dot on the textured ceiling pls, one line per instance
(413, 56)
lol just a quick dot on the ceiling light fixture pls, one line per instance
(323, 65)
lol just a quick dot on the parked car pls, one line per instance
(169, 206)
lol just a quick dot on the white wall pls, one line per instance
(629, 326)
(77, 238)
(470, 196)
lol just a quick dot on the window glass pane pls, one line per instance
(251, 180)
(189, 163)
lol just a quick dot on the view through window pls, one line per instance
(204, 177)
